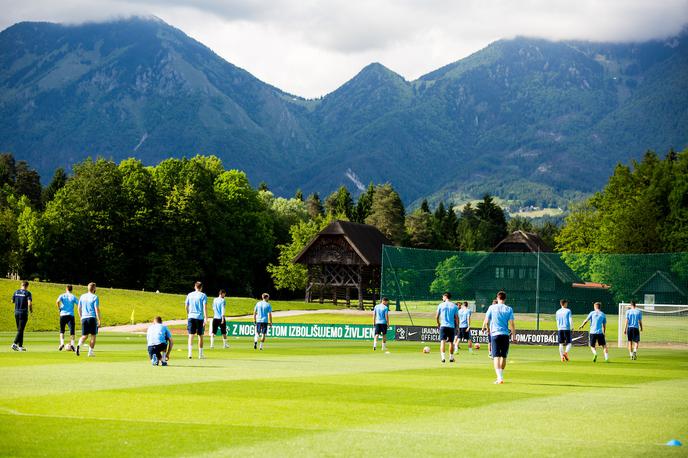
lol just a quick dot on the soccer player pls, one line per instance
(89, 311)
(219, 306)
(65, 305)
(159, 341)
(489, 338)
(380, 322)
(23, 305)
(598, 327)
(633, 326)
(262, 317)
(500, 319)
(196, 312)
(564, 325)
(447, 318)
(464, 327)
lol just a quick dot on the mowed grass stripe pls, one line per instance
(309, 398)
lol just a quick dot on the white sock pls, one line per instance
(261, 345)
(200, 352)
(255, 338)
(61, 340)
(162, 355)
(384, 346)
(561, 350)
(190, 349)
(606, 354)
(500, 374)
(442, 354)
(594, 351)
(212, 340)
(568, 348)
(224, 341)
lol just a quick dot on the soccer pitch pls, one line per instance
(315, 398)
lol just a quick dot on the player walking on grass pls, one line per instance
(23, 305)
(219, 306)
(196, 312)
(447, 318)
(262, 317)
(633, 326)
(159, 339)
(381, 322)
(598, 327)
(564, 325)
(500, 320)
(464, 327)
(89, 311)
(65, 305)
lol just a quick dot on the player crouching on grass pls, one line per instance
(598, 327)
(564, 325)
(89, 311)
(196, 312)
(219, 322)
(633, 326)
(65, 305)
(447, 318)
(500, 319)
(159, 341)
(381, 322)
(464, 328)
(262, 317)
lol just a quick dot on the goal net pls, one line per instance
(663, 324)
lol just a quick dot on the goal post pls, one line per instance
(662, 323)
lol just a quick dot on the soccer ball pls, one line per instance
(426, 349)
(68, 347)
(477, 346)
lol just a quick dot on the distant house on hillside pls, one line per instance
(662, 288)
(344, 258)
(522, 264)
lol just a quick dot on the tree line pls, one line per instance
(161, 227)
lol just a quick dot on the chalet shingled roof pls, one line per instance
(532, 241)
(366, 240)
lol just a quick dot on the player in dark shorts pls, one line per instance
(447, 318)
(381, 322)
(633, 326)
(598, 327)
(500, 321)
(22, 307)
(66, 303)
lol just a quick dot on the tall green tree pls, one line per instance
(58, 181)
(340, 204)
(314, 206)
(364, 204)
(387, 213)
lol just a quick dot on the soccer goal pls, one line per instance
(662, 323)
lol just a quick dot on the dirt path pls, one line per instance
(143, 327)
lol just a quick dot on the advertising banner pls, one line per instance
(524, 336)
(308, 331)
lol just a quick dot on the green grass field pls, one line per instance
(336, 398)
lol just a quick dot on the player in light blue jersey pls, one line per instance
(598, 327)
(464, 333)
(197, 313)
(447, 318)
(65, 306)
(219, 321)
(564, 325)
(89, 311)
(633, 326)
(381, 322)
(499, 319)
(262, 318)
(159, 340)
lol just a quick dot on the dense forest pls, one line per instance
(162, 227)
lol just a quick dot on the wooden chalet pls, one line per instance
(662, 288)
(344, 258)
(520, 264)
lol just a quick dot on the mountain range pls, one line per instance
(533, 121)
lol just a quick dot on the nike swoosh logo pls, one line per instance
(412, 333)
(577, 338)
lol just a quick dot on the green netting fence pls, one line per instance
(535, 282)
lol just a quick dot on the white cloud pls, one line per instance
(310, 47)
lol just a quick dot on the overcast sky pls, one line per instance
(310, 47)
